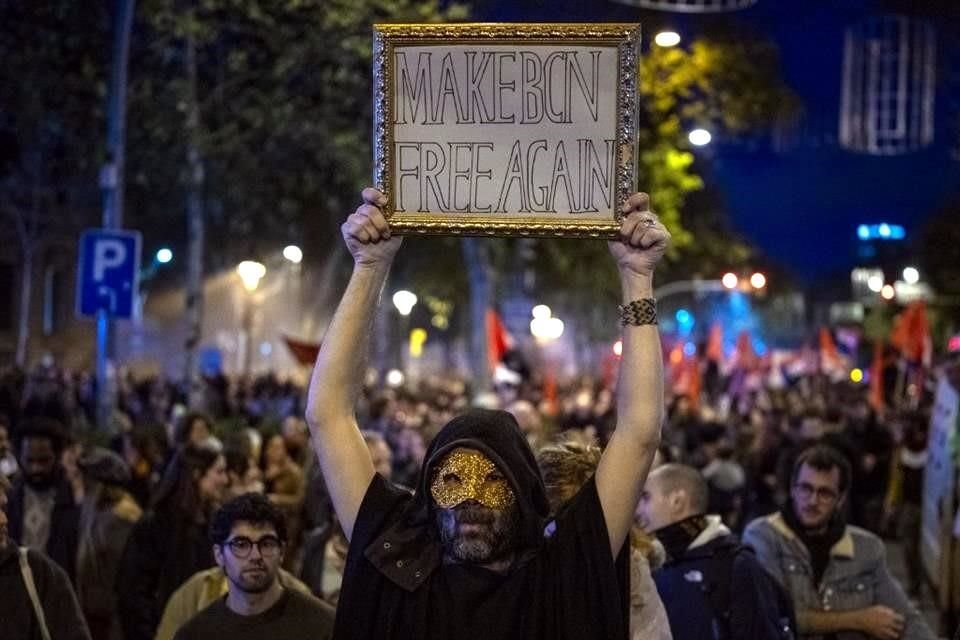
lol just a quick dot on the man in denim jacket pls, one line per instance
(836, 574)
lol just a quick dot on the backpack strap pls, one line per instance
(716, 588)
(31, 586)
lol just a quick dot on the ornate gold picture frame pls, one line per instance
(505, 129)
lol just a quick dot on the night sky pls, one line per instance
(801, 205)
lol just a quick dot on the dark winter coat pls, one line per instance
(64, 523)
(60, 607)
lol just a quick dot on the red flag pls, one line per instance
(715, 343)
(830, 360)
(911, 332)
(550, 391)
(498, 340)
(305, 353)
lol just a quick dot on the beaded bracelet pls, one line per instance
(639, 312)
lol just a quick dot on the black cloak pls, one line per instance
(565, 586)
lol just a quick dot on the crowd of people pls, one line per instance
(125, 514)
(431, 511)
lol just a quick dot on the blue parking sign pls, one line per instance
(109, 272)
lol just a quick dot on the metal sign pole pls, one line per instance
(111, 183)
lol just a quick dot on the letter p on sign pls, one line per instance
(109, 272)
(108, 253)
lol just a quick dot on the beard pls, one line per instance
(474, 533)
(254, 582)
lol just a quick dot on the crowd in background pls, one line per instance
(131, 503)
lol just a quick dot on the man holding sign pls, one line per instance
(466, 555)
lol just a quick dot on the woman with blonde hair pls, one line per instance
(566, 465)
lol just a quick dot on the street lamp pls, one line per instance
(875, 283)
(293, 253)
(164, 255)
(541, 311)
(730, 280)
(250, 273)
(667, 39)
(404, 301)
(699, 137)
(758, 280)
(544, 327)
(911, 275)
(888, 292)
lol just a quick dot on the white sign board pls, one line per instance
(505, 129)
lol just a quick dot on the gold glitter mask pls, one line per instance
(467, 474)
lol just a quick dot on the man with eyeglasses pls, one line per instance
(836, 574)
(249, 535)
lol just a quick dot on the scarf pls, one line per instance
(818, 544)
(677, 537)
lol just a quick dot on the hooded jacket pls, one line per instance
(687, 585)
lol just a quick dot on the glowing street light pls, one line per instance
(164, 255)
(404, 301)
(875, 283)
(911, 275)
(730, 280)
(888, 292)
(667, 39)
(856, 375)
(758, 280)
(250, 273)
(544, 327)
(699, 137)
(541, 312)
(293, 253)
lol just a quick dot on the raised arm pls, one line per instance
(626, 461)
(338, 375)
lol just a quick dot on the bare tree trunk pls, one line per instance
(195, 228)
(476, 255)
(26, 285)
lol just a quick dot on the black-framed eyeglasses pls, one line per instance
(268, 546)
(824, 494)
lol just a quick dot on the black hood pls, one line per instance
(498, 436)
